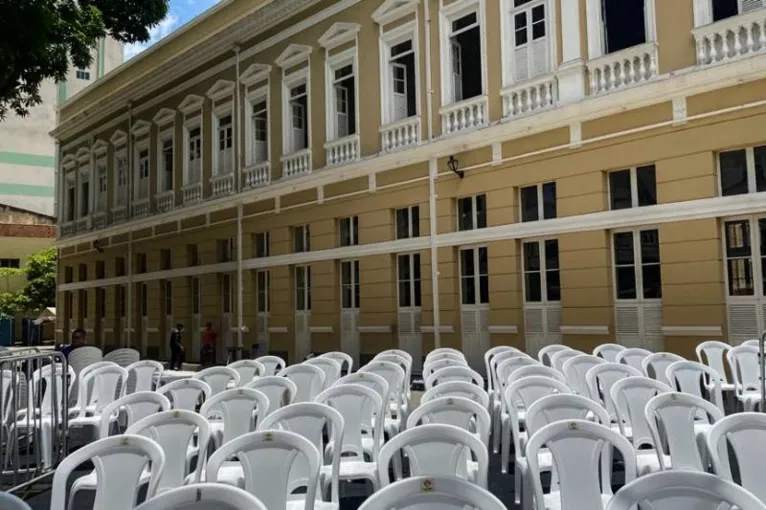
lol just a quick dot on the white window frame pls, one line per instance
(410, 222)
(334, 63)
(508, 45)
(168, 298)
(448, 14)
(633, 185)
(302, 231)
(165, 136)
(190, 125)
(305, 290)
(750, 161)
(83, 174)
(410, 281)
(476, 276)
(121, 154)
(102, 182)
(255, 97)
(261, 238)
(596, 28)
(703, 12)
(540, 241)
(82, 74)
(540, 203)
(353, 226)
(139, 147)
(474, 212)
(389, 39)
(220, 111)
(637, 265)
(355, 274)
(71, 183)
(263, 295)
(755, 266)
(289, 82)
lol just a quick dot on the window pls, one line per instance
(542, 282)
(349, 231)
(727, 8)
(122, 302)
(119, 266)
(624, 24)
(81, 74)
(262, 290)
(634, 187)
(637, 264)
(400, 79)
(100, 270)
(226, 250)
(121, 164)
(69, 305)
(343, 99)
(472, 212)
(261, 245)
(739, 256)
(144, 300)
(83, 299)
(298, 111)
(101, 303)
(349, 284)
(68, 274)
(538, 202)
(409, 280)
(226, 292)
(225, 144)
(465, 57)
(83, 272)
(84, 194)
(474, 277)
(71, 197)
(301, 239)
(529, 39)
(743, 171)
(408, 222)
(166, 259)
(194, 156)
(167, 165)
(102, 185)
(142, 185)
(140, 263)
(168, 298)
(260, 127)
(302, 288)
(192, 255)
(12, 263)
(195, 295)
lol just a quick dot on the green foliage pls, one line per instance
(40, 289)
(41, 38)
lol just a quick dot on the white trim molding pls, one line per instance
(100, 147)
(339, 33)
(140, 128)
(222, 89)
(584, 330)
(119, 138)
(164, 117)
(83, 155)
(392, 10)
(254, 74)
(277, 329)
(293, 55)
(444, 328)
(506, 329)
(698, 331)
(374, 329)
(321, 329)
(191, 104)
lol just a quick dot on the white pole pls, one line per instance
(433, 170)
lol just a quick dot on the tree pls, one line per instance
(40, 38)
(40, 289)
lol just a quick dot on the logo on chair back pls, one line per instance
(450, 402)
(572, 425)
(125, 441)
(177, 414)
(427, 486)
(268, 437)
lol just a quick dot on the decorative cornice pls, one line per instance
(191, 104)
(100, 147)
(254, 74)
(339, 33)
(119, 138)
(293, 55)
(392, 10)
(83, 155)
(164, 117)
(220, 90)
(141, 128)
(68, 162)
(584, 330)
(696, 331)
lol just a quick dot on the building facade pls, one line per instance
(361, 175)
(22, 233)
(28, 152)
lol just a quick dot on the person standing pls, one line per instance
(176, 348)
(208, 345)
(78, 340)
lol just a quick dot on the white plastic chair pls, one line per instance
(437, 450)
(579, 449)
(753, 343)
(273, 364)
(457, 389)
(204, 496)
(309, 379)
(277, 449)
(136, 407)
(83, 357)
(676, 490)
(342, 358)
(379, 384)
(677, 413)
(441, 350)
(608, 351)
(119, 462)
(443, 360)
(123, 357)
(396, 356)
(239, 409)
(108, 385)
(498, 386)
(535, 370)
(601, 378)
(559, 358)
(691, 377)
(454, 374)
(330, 367)
(143, 375)
(457, 411)
(84, 396)
(10, 502)
(185, 393)
(248, 369)
(745, 373)
(575, 370)
(429, 493)
(546, 353)
(713, 354)
(656, 365)
(397, 406)
(218, 378)
(488, 355)
(632, 356)
(279, 390)
(404, 354)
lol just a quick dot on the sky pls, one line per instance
(181, 12)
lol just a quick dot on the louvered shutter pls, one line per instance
(750, 5)
(521, 63)
(628, 325)
(654, 339)
(539, 56)
(743, 321)
(263, 327)
(469, 332)
(553, 324)
(534, 328)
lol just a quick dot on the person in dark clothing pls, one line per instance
(78, 340)
(176, 348)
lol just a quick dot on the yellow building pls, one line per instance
(364, 174)
(22, 233)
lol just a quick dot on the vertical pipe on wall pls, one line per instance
(433, 170)
(237, 124)
(240, 304)
(129, 262)
(237, 145)
(429, 81)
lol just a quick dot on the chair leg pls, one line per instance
(496, 426)
(518, 491)
(505, 447)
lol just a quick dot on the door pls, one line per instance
(260, 129)
(143, 324)
(341, 110)
(167, 298)
(542, 294)
(227, 339)
(400, 90)
(474, 308)
(299, 125)
(349, 308)
(457, 70)
(262, 302)
(196, 325)
(530, 51)
(302, 312)
(410, 312)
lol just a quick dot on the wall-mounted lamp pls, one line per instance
(97, 246)
(454, 165)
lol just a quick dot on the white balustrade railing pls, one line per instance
(464, 115)
(343, 150)
(82, 225)
(297, 163)
(257, 175)
(140, 207)
(529, 96)
(730, 38)
(225, 161)
(68, 229)
(624, 68)
(99, 220)
(399, 134)
(119, 214)
(192, 193)
(222, 184)
(165, 201)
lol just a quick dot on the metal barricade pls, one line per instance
(34, 401)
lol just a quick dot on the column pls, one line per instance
(571, 73)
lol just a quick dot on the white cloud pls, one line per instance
(156, 33)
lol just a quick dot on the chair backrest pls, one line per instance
(677, 412)
(330, 367)
(309, 419)
(696, 379)
(85, 395)
(277, 449)
(499, 358)
(507, 367)
(545, 354)
(342, 358)
(136, 406)
(351, 401)
(376, 382)
(656, 365)
(238, 407)
(435, 450)
(84, 356)
(46, 381)
(280, 391)
(174, 431)
(432, 493)
(753, 342)
(119, 462)
(745, 370)
(185, 393)
(441, 350)
(451, 360)
(204, 496)
(392, 373)
(488, 355)
(601, 378)
(522, 394)
(142, 375)
(309, 379)
(563, 407)
(578, 448)
(608, 351)
(560, 357)
(218, 378)
(457, 389)
(108, 385)
(403, 361)
(123, 357)
(713, 354)
(745, 433)
(273, 364)
(630, 396)
(674, 490)
(10, 502)
(248, 369)
(632, 356)
(535, 370)
(454, 374)
(457, 411)
(575, 369)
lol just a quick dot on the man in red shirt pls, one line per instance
(208, 345)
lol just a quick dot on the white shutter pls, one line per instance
(302, 336)
(349, 333)
(628, 324)
(469, 329)
(263, 327)
(261, 151)
(405, 322)
(457, 71)
(521, 63)
(553, 323)
(654, 339)
(743, 321)
(534, 329)
(399, 76)
(539, 56)
(750, 5)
